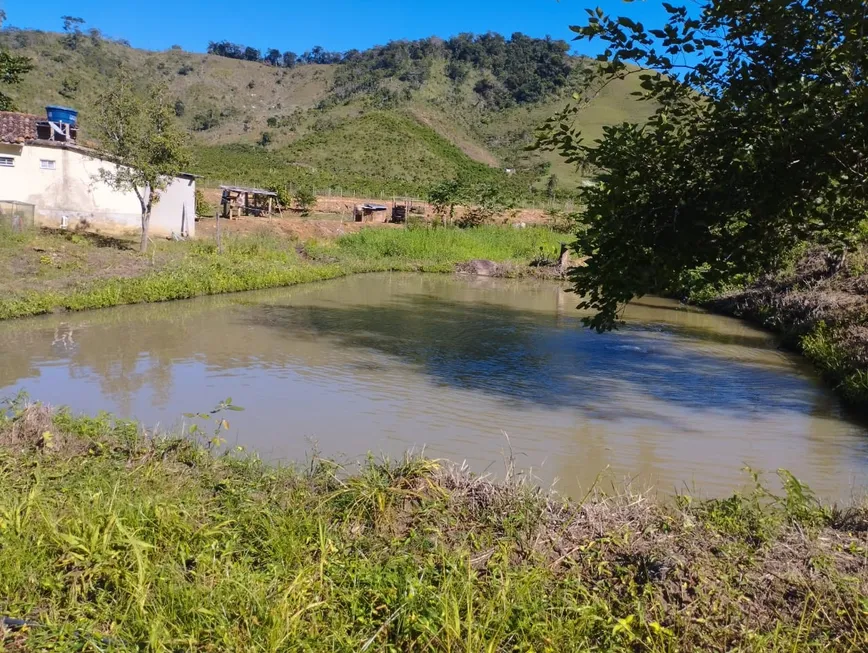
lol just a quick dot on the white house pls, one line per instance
(46, 167)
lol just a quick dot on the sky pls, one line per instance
(334, 24)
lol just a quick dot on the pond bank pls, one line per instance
(112, 533)
(44, 271)
(820, 308)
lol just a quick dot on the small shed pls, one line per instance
(366, 212)
(239, 200)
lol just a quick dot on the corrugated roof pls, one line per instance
(252, 191)
(17, 127)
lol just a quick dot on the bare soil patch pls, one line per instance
(294, 228)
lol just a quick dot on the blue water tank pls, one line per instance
(62, 114)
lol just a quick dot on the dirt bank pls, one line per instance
(820, 307)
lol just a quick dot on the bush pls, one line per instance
(284, 199)
(475, 217)
(305, 200)
(206, 120)
(202, 206)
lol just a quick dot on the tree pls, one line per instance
(305, 199)
(72, 27)
(180, 108)
(12, 69)
(272, 57)
(72, 24)
(552, 186)
(226, 49)
(482, 200)
(757, 143)
(289, 59)
(139, 134)
(2, 18)
(445, 196)
(251, 54)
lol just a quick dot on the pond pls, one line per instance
(471, 370)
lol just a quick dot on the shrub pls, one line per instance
(283, 197)
(305, 200)
(202, 206)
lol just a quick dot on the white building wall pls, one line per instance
(175, 211)
(73, 189)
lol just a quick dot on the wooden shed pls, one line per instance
(238, 200)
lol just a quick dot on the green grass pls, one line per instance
(436, 249)
(832, 350)
(381, 153)
(116, 539)
(256, 262)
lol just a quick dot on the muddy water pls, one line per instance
(465, 368)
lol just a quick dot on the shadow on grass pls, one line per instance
(97, 240)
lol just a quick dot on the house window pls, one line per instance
(6, 161)
(47, 164)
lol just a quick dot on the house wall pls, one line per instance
(175, 211)
(73, 189)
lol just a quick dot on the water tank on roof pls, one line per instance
(62, 114)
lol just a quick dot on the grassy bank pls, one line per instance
(45, 272)
(819, 306)
(114, 539)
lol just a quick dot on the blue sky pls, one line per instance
(298, 26)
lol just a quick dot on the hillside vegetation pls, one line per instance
(395, 119)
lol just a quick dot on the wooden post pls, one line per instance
(219, 242)
(269, 206)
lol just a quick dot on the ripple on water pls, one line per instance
(469, 369)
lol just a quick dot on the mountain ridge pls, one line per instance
(260, 123)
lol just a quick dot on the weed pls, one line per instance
(132, 540)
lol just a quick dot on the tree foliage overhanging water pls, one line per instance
(757, 144)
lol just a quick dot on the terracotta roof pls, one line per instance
(17, 127)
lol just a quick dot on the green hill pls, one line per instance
(393, 120)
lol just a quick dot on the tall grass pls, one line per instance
(114, 539)
(447, 246)
(267, 261)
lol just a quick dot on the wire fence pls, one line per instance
(546, 204)
(17, 216)
(340, 192)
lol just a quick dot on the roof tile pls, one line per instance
(17, 127)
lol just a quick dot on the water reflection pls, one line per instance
(541, 357)
(386, 362)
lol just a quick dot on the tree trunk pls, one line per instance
(146, 224)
